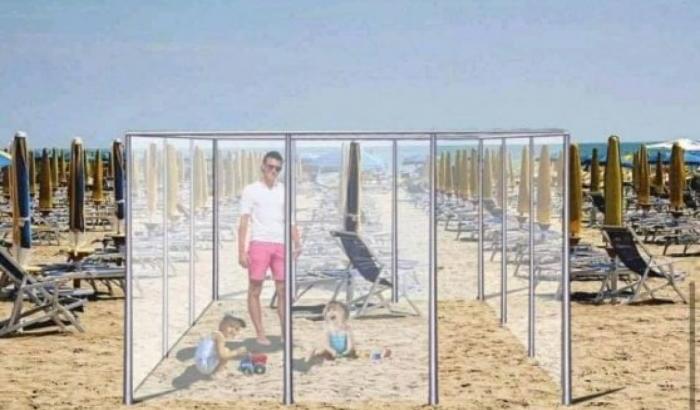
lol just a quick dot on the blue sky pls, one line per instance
(596, 67)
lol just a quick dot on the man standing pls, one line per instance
(262, 209)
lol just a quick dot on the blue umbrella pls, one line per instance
(118, 163)
(21, 206)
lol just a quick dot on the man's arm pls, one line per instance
(296, 238)
(242, 240)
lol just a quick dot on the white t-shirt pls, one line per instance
(266, 209)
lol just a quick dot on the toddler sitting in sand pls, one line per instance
(212, 354)
(338, 340)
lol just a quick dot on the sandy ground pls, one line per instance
(624, 357)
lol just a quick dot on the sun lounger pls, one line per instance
(52, 303)
(626, 247)
(363, 261)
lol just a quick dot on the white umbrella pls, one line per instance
(685, 143)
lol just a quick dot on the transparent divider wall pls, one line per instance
(499, 223)
(327, 188)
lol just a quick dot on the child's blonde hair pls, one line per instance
(341, 305)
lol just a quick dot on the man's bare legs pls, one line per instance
(281, 299)
(254, 290)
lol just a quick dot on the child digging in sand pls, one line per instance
(338, 340)
(212, 354)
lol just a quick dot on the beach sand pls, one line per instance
(624, 357)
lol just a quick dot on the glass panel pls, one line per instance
(517, 236)
(202, 182)
(147, 238)
(458, 220)
(549, 242)
(493, 222)
(379, 350)
(177, 208)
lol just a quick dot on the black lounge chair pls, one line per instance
(52, 303)
(368, 266)
(624, 244)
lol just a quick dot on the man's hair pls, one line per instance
(230, 320)
(274, 155)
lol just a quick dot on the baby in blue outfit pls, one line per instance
(338, 339)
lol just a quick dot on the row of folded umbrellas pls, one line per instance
(22, 179)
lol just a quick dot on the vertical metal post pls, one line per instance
(164, 180)
(192, 244)
(394, 224)
(293, 201)
(432, 283)
(691, 340)
(215, 218)
(480, 246)
(128, 301)
(504, 230)
(288, 393)
(566, 283)
(531, 252)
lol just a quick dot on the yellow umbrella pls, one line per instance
(575, 192)
(486, 177)
(54, 169)
(659, 175)
(676, 178)
(544, 189)
(643, 176)
(97, 180)
(595, 171)
(45, 188)
(613, 183)
(474, 175)
(172, 180)
(523, 184)
(32, 175)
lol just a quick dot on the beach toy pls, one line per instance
(205, 358)
(376, 356)
(253, 364)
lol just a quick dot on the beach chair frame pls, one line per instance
(626, 246)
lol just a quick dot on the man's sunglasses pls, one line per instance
(271, 167)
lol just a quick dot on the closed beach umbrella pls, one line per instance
(45, 188)
(196, 179)
(676, 178)
(76, 191)
(32, 175)
(151, 178)
(659, 175)
(500, 177)
(595, 171)
(172, 180)
(523, 184)
(511, 176)
(575, 192)
(118, 164)
(97, 179)
(449, 173)
(21, 205)
(643, 175)
(474, 175)
(544, 189)
(62, 177)
(613, 183)
(54, 169)
(109, 171)
(487, 186)
(440, 171)
(352, 197)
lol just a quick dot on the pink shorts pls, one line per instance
(264, 255)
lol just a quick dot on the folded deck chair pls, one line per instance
(52, 305)
(626, 247)
(368, 266)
